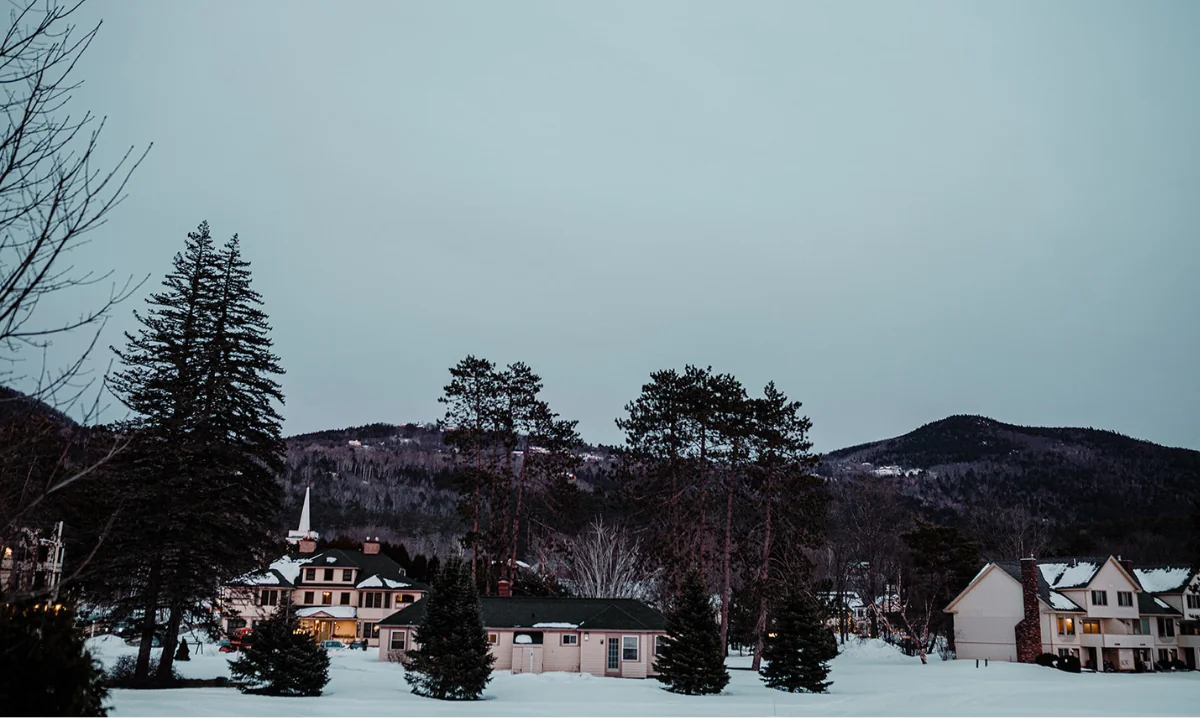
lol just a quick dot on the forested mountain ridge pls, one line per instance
(395, 481)
(1087, 489)
(1093, 488)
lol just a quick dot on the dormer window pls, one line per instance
(329, 574)
(347, 574)
(310, 574)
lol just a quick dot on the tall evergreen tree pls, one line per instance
(693, 660)
(797, 651)
(199, 492)
(453, 661)
(282, 660)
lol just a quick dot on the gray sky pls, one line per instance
(896, 210)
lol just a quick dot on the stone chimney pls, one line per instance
(504, 587)
(308, 546)
(371, 546)
(1029, 629)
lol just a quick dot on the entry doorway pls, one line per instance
(612, 653)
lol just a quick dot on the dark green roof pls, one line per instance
(1149, 605)
(588, 614)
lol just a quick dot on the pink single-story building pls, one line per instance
(616, 637)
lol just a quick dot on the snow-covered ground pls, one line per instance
(870, 678)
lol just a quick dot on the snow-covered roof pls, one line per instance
(1075, 574)
(378, 581)
(1060, 602)
(288, 567)
(331, 611)
(1163, 579)
(556, 625)
(280, 573)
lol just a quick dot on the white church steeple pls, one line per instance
(304, 531)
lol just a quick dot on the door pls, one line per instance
(612, 665)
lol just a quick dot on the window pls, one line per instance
(659, 642)
(345, 598)
(570, 639)
(373, 599)
(1124, 598)
(1141, 626)
(326, 598)
(493, 639)
(1166, 627)
(329, 574)
(268, 598)
(1064, 652)
(236, 623)
(1066, 626)
(629, 648)
(387, 600)
(399, 640)
(1091, 626)
(1099, 598)
(1164, 654)
(1193, 600)
(406, 598)
(370, 630)
(347, 574)
(310, 574)
(308, 597)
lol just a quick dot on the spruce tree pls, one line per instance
(199, 482)
(282, 660)
(45, 668)
(692, 661)
(453, 661)
(797, 651)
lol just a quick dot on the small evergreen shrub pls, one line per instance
(183, 653)
(122, 672)
(692, 660)
(45, 669)
(1070, 664)
(282, 660)
(1049, 660)
(453, 661)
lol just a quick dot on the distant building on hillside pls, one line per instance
(33, 564)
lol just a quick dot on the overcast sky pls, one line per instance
(897, 211)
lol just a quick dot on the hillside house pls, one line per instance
(32, 562)
(616, 637)
(1102, 610)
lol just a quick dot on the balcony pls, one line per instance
(1128, 640)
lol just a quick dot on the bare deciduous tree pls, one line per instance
(606, 562)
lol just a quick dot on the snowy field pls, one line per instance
(870, 678)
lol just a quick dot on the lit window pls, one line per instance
(1090, 627)
(1066, 626)
(629, 648)
(493, 639)
(570, 639)
(326, 598)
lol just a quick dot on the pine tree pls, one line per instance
(798, 650)
(46, 669)
(692, 661)
(453, 661)
(282, 660)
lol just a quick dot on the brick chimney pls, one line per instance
(308, 546)
(504, 587)
(1029, 629)
(371, 546)
(1127, 564)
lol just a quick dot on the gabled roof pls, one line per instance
(1149, 605)
(1071, 571)
(1052, 598)
(595, 614)
(1163, 578)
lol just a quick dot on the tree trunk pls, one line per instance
(150, 612)
(725, 591)
(516, 524)
(764, 571)
(167, 661)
